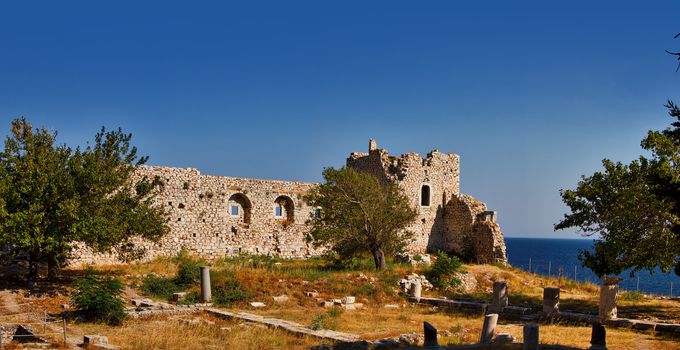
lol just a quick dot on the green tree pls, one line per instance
(53, 196)
(359, 215)
(633, 207)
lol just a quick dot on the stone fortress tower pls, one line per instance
(217, 216)
(447, 219)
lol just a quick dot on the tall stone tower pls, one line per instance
(447, 220)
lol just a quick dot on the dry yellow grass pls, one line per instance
(173, 334)
(265, 279)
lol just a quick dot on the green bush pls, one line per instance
(188, 272)
(98, 298)
(159, 286)
(441, 272)
(326, 321)
(226, 289)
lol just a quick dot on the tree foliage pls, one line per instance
(98, 298)
(52, 196)
(360, 215)
(633, 207)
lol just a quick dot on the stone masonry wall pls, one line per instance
(445, 216)
(202, 221)
(218, 216)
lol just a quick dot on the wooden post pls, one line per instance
(529, 265)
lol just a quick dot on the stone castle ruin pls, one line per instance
(217, 216)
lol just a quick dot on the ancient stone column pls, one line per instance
(488, 328)
(551, 300)
(608, 295)
(430, 335)
(205, 284)
(416, 290)
(598, 337)
(530, 336)
(500, 296)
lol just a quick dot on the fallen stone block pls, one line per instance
(348, 300)
(94, 339)
(504, 338)
(312, 294)
(280, 298)
(350, 307)
(101, 346)
(329, 303)
(178, 296)
(391, 306)
(643, 325)
(257, 304)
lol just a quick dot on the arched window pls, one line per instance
(239, 207)
(284, 209)
(425, 196)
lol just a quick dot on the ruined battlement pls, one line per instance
(447, 219)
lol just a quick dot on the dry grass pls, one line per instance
(171, 333)
(266, 277)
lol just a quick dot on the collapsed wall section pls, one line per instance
(472, 231)
(447, 220)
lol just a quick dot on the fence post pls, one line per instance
(529, 265)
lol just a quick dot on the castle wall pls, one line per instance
(201, 220)
(218, 216)
(448, 217)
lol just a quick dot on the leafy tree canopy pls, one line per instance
(633, 207)
(360, 215)
(52, 196)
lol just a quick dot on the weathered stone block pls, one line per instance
(551, 300)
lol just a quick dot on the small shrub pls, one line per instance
(160, 287)
(226, 289)
(190, 299)
(367, 290)
(631, 296)
(441, 272)
(188, 273)
(327, 320)
(98, 298)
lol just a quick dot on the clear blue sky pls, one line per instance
(530, 94)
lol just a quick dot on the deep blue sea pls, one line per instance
(559, 256)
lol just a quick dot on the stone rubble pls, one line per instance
(413, 259)
(405, 283)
